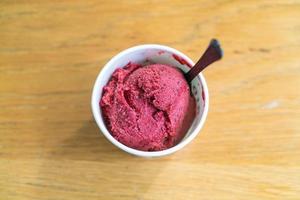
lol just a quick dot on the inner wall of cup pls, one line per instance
(150, 56)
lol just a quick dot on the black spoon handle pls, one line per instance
(212, 54)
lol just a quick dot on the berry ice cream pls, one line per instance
(149, 107)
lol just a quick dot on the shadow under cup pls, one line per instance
(149, 54)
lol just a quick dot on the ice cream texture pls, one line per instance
(148, 108)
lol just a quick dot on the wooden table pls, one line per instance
(52, 51)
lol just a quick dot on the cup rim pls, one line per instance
(101, 124)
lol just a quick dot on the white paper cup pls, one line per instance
(155, 54)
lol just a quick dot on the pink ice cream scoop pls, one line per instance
(149, 107)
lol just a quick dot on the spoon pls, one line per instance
(212, 54)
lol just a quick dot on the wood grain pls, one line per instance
(52, 51)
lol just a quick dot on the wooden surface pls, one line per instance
(52, 51)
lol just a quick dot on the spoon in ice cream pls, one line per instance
(213, 53)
